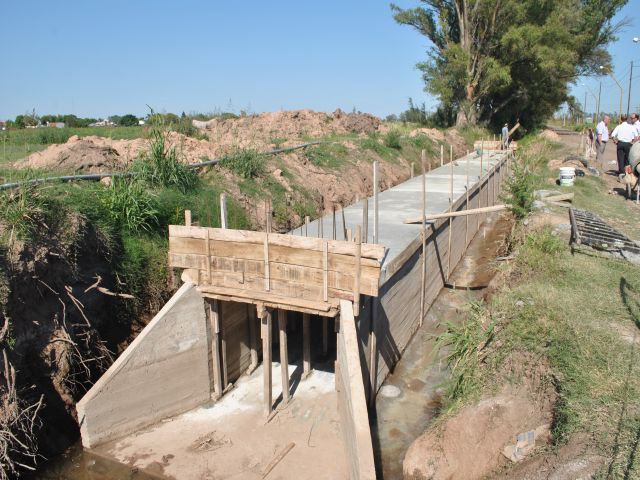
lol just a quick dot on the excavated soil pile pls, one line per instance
(260, 131)
(471, 444)
(550, 135)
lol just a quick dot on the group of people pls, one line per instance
(624, 136)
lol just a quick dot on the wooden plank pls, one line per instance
(215, 346)
(356, 283)
(239, 271)
(372, 251)
(280, 254)
(306, 345)
(284, 355)
(376, 186)
(208, 259)
(187, 218)
(266, 359)
(223, 350)
(423, 236)
(365, 220)
(460, 213)
(269, 297)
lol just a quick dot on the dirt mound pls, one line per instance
(470, 444)
(260, 131)
(550, 135)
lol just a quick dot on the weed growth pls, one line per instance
(392, 139)
(245, 163)
(130, 205)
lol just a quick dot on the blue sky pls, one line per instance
(101, 58)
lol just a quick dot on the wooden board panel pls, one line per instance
(375, 252)
(337, 280)
(235, 326)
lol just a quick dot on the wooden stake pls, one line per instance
(223, 210)
(373, 352)
(349, 235)
(356, 280)
(325, 271)
(412, 163)
(284, 355)
(209, 278)
(267, 272)
(423, 283)
(334, 222)
(344, 224)
(376, 182)
(268, 215)
(306, 226)
(461, 213)
(466, 231)
(325, 335)
(215, 346)
(265, 315)
(187, 218)
(306, 345)
(450, 153)
(365, 220)
(320, 226)
(441, 155)
(223, 348)
(450, 210)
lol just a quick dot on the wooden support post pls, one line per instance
(209, 278)
(267, 271)
(253, 339)
(325, 271)
(450, 153)
(320, 226)
(334, 222)
(365, 220)
(349, 235)
(466, 231)
(423, 234)
(265, 316)
(223, 210)
(284, 355)
(480, 187)
(441, 155)
(356, 278)
(306, 226)
(268, 215)
(187, 218)
(223, 348)
(344, 224)
(450, 210)
(215, 347)
(412, 163)
(376, 182)
(306, 345)
(325, 335)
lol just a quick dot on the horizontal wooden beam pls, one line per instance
(375, 252)
(461, 213)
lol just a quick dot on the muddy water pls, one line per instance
(76, 464)
(409, 399)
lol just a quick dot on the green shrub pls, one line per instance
(161, 167)
(23, 210)
(130, 205)
(392, 139)
(244, 163)
(521, 186)
(372, 143)
(330, 156)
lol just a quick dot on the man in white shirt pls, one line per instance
(505, 136)
(623, 136)
(602, 137)
(636, 123)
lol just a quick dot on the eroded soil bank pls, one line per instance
(410, 398)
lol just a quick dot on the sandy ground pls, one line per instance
(229, 439)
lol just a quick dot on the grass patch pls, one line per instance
(245, 163)
(392, 139)
(332, 156)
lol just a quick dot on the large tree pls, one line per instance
(497, 60)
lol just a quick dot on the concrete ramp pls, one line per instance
(164, 372)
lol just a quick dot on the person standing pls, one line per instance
(623, 136)
(505, 136)
(602, 137)
(635, 121)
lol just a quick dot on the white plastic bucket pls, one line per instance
(567, 176)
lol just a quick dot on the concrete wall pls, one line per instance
(164, 372)
(352, 404)
(398, 309)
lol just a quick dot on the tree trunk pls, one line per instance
(467, 114)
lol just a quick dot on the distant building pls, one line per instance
(55, 124)
(141, 122)
(103, 123)
(3, 126)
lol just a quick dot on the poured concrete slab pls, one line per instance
(230, 440)
(405, 200)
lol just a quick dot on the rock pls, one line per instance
(277, 172)
(540, 194)
(390, 391)
(519, 303)
(106, 181)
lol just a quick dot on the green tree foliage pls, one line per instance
(128, 120)
(499, 60)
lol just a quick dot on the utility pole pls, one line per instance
(629, 96)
